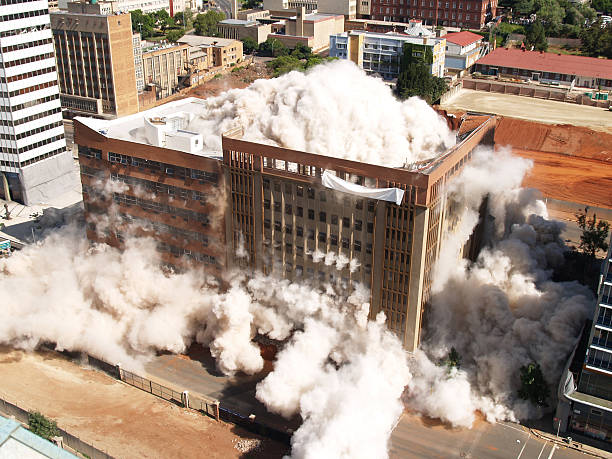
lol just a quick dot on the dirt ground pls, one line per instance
(544, 111)
(240, 78)
(117, 418)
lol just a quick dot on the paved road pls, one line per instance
(545, 111)
(412, 437)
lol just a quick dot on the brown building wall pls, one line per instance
(122, 58)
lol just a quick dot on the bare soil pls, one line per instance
(117, 418)
(239, 78)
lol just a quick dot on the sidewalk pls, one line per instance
(576, 445)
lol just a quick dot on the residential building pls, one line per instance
(454, 13)
(34, 162)
(562, 69)
(18, 442)
(239, 29)
(380, 54)
(312, 30)
(585, 394)
(95, 61)
(463, 49)
(165, 67)
(137, 45)
(225, 52)
(285, 208)
(372, 25)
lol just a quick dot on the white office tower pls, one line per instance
(34, 163)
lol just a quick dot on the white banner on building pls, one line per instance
(384, 194)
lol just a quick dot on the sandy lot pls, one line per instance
(115, 417)
(545, 111)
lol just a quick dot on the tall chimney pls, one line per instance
(299, 23)
(235, 9)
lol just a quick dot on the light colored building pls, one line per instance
(463, 49)
(287, 7)
(312, 30)
(348, 8)
(95, 62)
(239, 29)
(34, 163)
(137, 44)
(225, 51)
(380, 54)
(253, 15)
(18, 442)
(281, 207)
(165, 68)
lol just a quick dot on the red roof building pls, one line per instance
(464, 38)
(587, 72)
(463, 49)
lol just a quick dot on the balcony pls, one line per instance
(601, 344)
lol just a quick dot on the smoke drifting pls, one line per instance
(334, 109)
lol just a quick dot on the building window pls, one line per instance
(288, 209)
(322, 237)
(334, 219)
(345, 242)
(299, 190)
(322, 217)
(346, 222)
(357, 246)
(358, 225)
(333, 239)
(310, 214)
(370, 227)
(311, 193)
(300, 211)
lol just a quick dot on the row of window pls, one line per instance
(13, 32)
(321, 275)
(160, 188)
(334, 220)
(431, 3)
(157, 207)
(15, 2)
(26, 45)
(32, 103)
(92, 153)
(38, 130)
(179, 252)
(26, 75)
(168, 169)
(24, 14)
(32, 146)
(34, 117)
(29, 89)
(322, 236)
(28, 60)
(167, 229)
(430, 13)
(41, 157)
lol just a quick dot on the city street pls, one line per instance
(413, 436)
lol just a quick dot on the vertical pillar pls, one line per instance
(185, 399)
(217, 410)
(5, 187)
(119, 371)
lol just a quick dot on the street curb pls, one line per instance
(595, 452)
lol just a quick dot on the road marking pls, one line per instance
(542, 450)
(510, 427)
(523, 448)
(552, 451)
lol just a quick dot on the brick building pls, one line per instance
(381, 226)
(467, 14)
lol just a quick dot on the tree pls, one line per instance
(42, 426)
(251, 4)
(206, 24)
(174, 35)
(249, 45)
(273, 47)
(594, 235)
(417, 80)
(142, 23)
(597, 40)
(184, 18)
(301, 51)
(163, 20)
(285, 64)
(536, 37)
(533, 385)
(603, 6)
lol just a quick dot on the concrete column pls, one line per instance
(217, 410)
(299, 23)
(185, 399)
(119, 371)
(5, 187)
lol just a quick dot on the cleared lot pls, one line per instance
(545, 111)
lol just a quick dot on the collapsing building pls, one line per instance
(294, 214)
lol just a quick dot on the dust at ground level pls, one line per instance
(119, 419)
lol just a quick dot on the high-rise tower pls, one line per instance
(34, 163)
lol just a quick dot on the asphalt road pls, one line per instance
(412, 438)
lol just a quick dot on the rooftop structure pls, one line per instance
(312, 29)
(417, 29)
(464, 38)
(17, 441)
(239, 29)
(549, 67)
(463, 49)
(380, 54)
(298, 215)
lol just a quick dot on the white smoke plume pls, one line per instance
(334, 109)
(501, 312)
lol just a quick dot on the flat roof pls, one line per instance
(236, 22)
(397, 36)
(549, 62)
(12, 431)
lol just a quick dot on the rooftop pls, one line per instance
(17, 441)
(463, 38)
(394, 36)
(196, 40)
(237, 22)
(549, 62)
(316, 17)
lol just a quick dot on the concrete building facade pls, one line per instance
(288, 209)
(95, 62)
(165, 67)
(454, 13)
(463, 49)
(239, 29)
(225, 52)
(312, 30)
(34, 163)
(380, 54)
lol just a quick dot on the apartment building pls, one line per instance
(452, 13)
(95, 61)
(225, 52)
(34, 163)
(137, 45)
(286, 8)
(165, 67)
(380, 54)
(463, 49)
(298, 215)
(239, 29)
(312, 29)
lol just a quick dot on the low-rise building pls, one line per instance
(225, 51)
(380, 54)
(165, 67)
(287, 7)
(312, 30)
(253, 14)
(463, 49)
(239, 29)
(558, 69)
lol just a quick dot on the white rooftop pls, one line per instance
(196, 40)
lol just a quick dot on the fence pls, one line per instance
(68, 442)
(450, 93)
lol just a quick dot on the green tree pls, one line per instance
(249, 45)
(251, 4)
(597, 40)
(603, 6)
(42, 426)
(536, 37)
(206, 24)
(285, 64)
(273, 47)
(163, 20)
(185, 18)
(533, 385)
(594, 235)
(301, 51)
(142, 23)
(174, 35)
